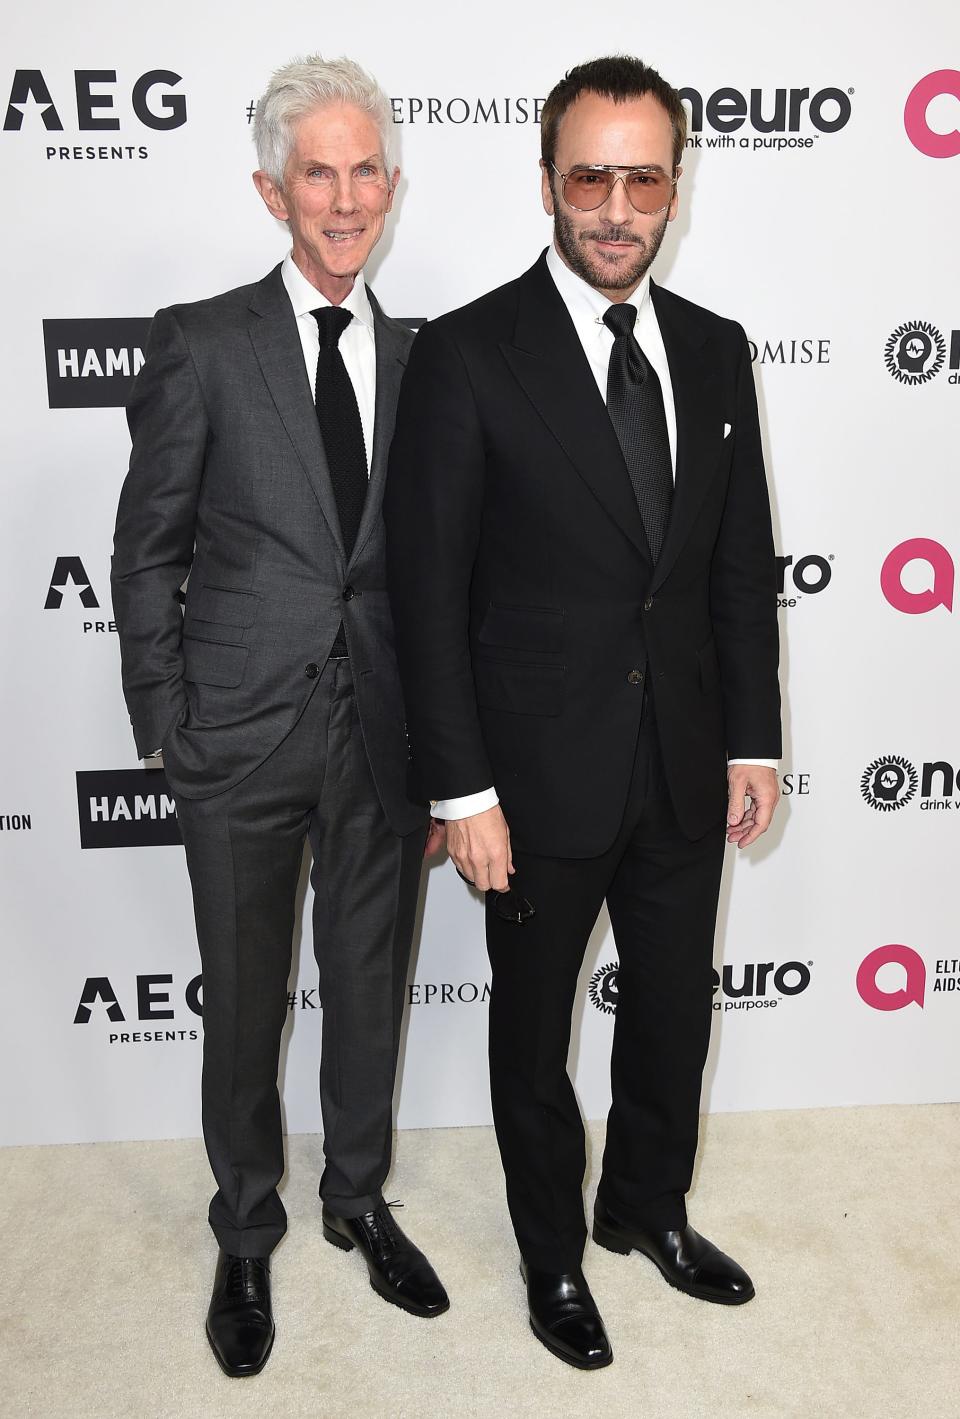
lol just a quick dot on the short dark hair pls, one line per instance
(619, 77)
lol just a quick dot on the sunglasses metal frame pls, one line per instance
(621, 173)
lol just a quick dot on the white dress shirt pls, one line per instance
(586, 307)
(357, 344)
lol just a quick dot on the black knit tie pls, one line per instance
(340, 426)
(635, 406)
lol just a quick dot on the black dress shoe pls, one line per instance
(240, 1319)
(687, 1260)
(564, 1316)
(399, 1271)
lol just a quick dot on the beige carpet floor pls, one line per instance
(848, 1220)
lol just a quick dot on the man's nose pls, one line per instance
(618, 208)
(344, 195)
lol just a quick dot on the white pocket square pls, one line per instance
(726, 430)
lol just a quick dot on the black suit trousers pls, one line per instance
(244, 851)
(661, 890)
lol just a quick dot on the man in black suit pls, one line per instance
(261, 422)
(582, 577)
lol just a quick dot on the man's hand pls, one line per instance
(744, 825)
(436, 836)
(480, 848)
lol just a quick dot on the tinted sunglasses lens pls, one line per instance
(587, 190)
(649, 191)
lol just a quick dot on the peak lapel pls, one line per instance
(391, 347)
(276, 343)
(696, 397)
(547, 359)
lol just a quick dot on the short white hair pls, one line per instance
(306, 84)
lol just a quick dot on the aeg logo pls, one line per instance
(926, 598)
(928, 140)
(154, 110)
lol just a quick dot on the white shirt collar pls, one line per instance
(585, 304)
(304, 297)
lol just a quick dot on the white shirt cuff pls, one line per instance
(453, 808)
(760, 763)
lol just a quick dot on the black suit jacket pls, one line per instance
(523, 591)
(228, 483)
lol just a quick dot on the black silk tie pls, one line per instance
(340, 425)
(635, 406)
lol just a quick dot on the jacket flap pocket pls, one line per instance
(538, 628)
(228, 608)
(519, 689)
(209, 663)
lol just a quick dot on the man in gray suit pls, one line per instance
(261, 422)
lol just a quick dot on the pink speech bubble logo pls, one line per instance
(921, 135)
(915, 603)
(914, 989)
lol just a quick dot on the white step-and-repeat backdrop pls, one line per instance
(820, 207)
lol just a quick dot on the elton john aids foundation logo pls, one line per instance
(889, 783)
(934, 138)
(915, 352)
(913, 984)
(938, 577)
(603, 988)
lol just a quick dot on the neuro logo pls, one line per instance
(889, 783)
(915, 603)
(915, 352)
(925, 139)
(913, 989)
(603, 988)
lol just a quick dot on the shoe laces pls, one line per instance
(244, 1280)
(382, 1229)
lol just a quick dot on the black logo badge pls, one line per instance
(603, 988)
(126, 808)
(69, 569)
(889, 783)
(915, 352)
(91, 363)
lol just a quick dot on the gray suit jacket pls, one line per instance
(228, 484)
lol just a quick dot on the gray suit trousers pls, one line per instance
(244, 850)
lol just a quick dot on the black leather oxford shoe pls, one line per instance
(685, 1259)
(564, 1316)
(240, 1319)
(399, 1271)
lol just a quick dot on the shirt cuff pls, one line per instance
(453, 808)
(760, 763)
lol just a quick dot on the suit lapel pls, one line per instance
(547, 359)
(696, 397)
(276, 343)
(391, 347)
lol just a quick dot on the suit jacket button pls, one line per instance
(648, 604)
(635, 677)
(348, 593)
(311, 671)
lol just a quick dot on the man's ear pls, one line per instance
(546, 190)
(272, 195)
